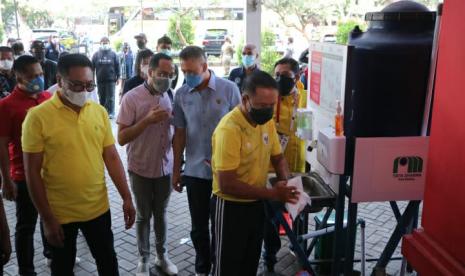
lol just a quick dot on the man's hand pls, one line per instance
(176, 182)
(54, 232)
(129, 213)
(156, 115)
(5, 245)
(10, 191)
(286, 194)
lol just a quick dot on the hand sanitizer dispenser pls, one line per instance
(331, 150)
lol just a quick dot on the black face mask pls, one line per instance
(39, 56)
(261, 115)
(140, 44)
(285, 85)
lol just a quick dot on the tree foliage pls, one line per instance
(269, 55)
(344, 29)
(299, 14)
(181, 30)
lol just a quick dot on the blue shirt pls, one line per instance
(199, 112)
(238, 75)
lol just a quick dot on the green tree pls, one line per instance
(299, 14)
(344, 29)
(181, 30)
(36, 18)
(268, 56)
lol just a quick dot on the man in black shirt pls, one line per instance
(7, 78)
(249, 65)
(107, 70)
(48, 66)
(140, 71)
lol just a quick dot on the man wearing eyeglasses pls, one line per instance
(67, 143)
(144, 125)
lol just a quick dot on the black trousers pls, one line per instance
(199, 193)
(271, 239)
(239, 237)
(106, 93)
(99, 237)
(26, 220)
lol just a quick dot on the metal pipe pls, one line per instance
(362, 240)
(320, 232)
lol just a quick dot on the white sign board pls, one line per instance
(327, 64)
(389, 169)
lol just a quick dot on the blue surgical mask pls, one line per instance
(193, 80)
(165, 51)
(36, 85)
(248, 61)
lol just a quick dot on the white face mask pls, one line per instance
(6, 64)
(105, 47)
(76, 98)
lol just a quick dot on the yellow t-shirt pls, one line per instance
(294, 152)
(73, 169)
(239, 146)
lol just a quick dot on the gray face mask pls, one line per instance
(161, 84)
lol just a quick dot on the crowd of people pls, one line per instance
(219, 138)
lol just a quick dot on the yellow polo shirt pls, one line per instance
(294, 152)
(73, 169)
(239, 146)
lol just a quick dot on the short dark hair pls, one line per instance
(258, 79)
(5, 49)
(291, 62)
(66, 62)
(141, 55)
(155, 60)
(192, 52)
(37, 44)
(23, 62)
(18, 48)
(164, 40)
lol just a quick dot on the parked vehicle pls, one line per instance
(213, 40)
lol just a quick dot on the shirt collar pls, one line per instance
(211, 82)
(18, 92)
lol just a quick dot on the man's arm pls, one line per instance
(116, 171)
(231, 185)
(8, 187)
(117, 69)
(280, 166)
(179, 144)
(127, 133)
(36, 188)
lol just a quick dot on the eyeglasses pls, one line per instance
(76, 86)
(165, 75)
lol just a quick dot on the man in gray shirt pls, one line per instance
(199, 105)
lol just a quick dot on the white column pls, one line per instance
(253, 22)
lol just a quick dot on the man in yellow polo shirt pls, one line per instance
(67, 142)
(291, 97)
(244, 144)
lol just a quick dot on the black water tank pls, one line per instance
(389, 72)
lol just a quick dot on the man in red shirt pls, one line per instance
(29, 92)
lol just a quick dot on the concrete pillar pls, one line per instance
(253, 22)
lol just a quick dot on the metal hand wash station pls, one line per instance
(383, 80)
